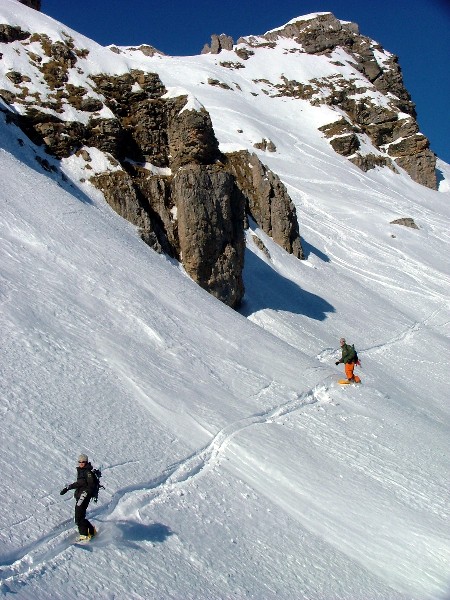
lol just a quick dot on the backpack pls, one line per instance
(96, 474)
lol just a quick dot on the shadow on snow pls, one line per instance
(131, 534)
(267, 289)
(132, 531)
(310, 249)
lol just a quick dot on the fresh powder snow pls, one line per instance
(234, 464)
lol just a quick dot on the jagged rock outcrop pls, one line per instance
(218, 43)
(319, 34)
(265, 145)
(210, 213)
(342, 136)
(323, 33)
(140, 130)
(196, 216)
(371, 161)
(163, 170)
(146, 50)
(191, 137)
(10, 33)
(120, 193)
(406, 222)
(384, 125)
(268, 202)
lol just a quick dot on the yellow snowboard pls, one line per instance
(344, 381)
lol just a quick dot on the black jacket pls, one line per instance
(85, 481)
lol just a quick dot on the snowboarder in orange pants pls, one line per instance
(350, 359)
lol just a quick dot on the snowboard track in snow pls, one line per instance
(50, 550)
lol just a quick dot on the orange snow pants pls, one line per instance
(349, 372)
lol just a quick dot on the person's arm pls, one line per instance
(69, 486)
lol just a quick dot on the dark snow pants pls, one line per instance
(84, 526)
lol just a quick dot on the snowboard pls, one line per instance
(78, 542)
(344, 381)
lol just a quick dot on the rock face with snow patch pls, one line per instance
(390, 124)
(164, 171)
(210, 212)
(406, 221)
(267, 200)
(162, 168)
(191, 137)
(218, 43)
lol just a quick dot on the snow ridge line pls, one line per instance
(31, 560)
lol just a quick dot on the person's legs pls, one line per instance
(349, 373)
(349, 370)
(84, 527)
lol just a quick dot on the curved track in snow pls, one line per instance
(57, 546)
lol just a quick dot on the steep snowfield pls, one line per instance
(234, 464)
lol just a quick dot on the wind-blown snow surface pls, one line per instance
(234, 464)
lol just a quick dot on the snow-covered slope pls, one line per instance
(234, 464)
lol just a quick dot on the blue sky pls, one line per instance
(417, 31)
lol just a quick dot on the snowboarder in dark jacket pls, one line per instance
(84, 488)
(349, 360)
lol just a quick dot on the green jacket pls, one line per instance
(348, 354)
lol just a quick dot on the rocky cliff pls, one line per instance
(162, 168)
(166, 174)
(373, 100)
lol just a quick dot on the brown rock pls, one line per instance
(323, 34)
(191, 136)
(10, 33)
(406, 221)
(370, 161)
(120, 194)
(218, 43)
(345, 144)
(268, 202)
(421, 168)
(210, 227)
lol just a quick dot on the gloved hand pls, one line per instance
(63, 491)
(81, 499)
(337, 362)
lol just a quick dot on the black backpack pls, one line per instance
(96, 474)
(355, 358)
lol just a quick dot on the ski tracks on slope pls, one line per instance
(35, 558)
(206, 458)
(329, 354)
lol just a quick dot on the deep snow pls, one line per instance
(234, 464)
